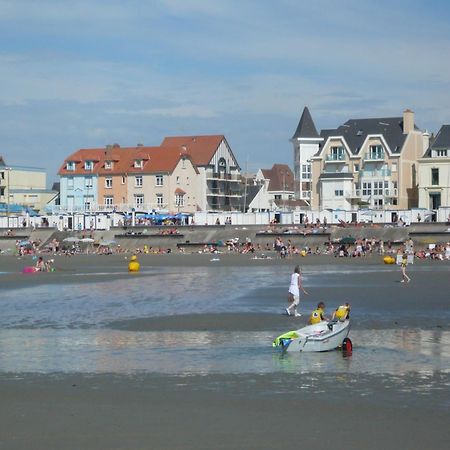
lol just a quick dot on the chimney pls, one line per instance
(408, 121)
(426, 140)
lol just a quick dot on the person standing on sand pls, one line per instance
(294, 292)
(403, 269)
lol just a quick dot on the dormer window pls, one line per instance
(70, 165)
(337, 154)
(441, 153)
(108, 165)
(88, 165)
(138, 163)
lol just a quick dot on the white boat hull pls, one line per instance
(320, 337)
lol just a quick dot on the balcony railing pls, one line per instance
(335, 157)
(374, 156)
(375, 173)
(222, 176)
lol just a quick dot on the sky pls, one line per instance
(88, 73)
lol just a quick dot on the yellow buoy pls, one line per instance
(133, 265)
(303, 253)
(389, 260)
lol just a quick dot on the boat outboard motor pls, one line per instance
(347, 346)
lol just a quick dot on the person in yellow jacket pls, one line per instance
(318, 315)
(342, 312)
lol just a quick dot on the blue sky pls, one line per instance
(87, 73)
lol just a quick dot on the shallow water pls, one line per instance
(66, 328)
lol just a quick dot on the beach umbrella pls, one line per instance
(23, 243)
(71, 239)
(88, 240)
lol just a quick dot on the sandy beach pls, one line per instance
(285, 406)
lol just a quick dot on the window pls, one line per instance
(108, 183)
(377, 188)
(376, 152)
(435, 177)
(138, 181)
(178, 180)
(159, 200)
(179, 199)
(123, 180)
(306, 171)
(2, 175)
(70, 165)
(88, 182)
(139, 200)
(277, 196)
(378, 202)
(338, 193)
(183, 163)
(88, 165)
(356, 167)
(138, 163)
(70, 183)
(337, 153)
(441, 152)
(367, 188)
(159, 180)
(108, 200)
(88, 200)
(187, 181)
(394, 167)
(108, 165)
(2, 191)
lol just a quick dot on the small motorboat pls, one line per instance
(320, 337)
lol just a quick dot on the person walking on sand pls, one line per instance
(294, 292)
(403, 269)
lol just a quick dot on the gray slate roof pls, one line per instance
(442, 140)
(355, 132)
(306, 127)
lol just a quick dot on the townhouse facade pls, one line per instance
(434, 172)
(366, 163)
(183, 174)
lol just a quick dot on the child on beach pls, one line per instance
(403, 269)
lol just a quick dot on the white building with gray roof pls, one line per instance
(370, 163)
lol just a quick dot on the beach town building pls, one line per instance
(118, 178)
(25, 186)
(277, 186)
(370, 163)
(219, 174)
(184, 174)
(434, 172)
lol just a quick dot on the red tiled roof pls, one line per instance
(155, 160)
(200, 148)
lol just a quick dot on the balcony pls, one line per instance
(222, 176)
(374, 156)
(375, 173)
(332, 158)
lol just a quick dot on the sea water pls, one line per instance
(69, 327)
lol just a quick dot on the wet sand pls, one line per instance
(213, 412)
(270, 411)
